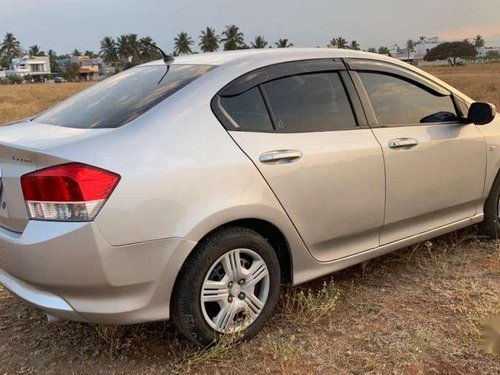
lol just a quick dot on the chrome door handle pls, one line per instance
(403, 143)
(280, 156)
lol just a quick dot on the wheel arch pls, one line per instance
(266, 229)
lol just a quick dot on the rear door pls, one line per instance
(435, 164)
(302, 126)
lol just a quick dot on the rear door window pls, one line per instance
(310, 103)
(123, 97)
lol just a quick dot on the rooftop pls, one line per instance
(221, 58)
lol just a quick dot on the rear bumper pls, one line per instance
(48, 302)
(70, 271)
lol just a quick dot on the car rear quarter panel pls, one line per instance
(182, 175)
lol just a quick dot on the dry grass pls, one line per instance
(20, 101)
(417, 310)
(480, 81)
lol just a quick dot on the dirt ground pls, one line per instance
(415, 311)
(418, 310)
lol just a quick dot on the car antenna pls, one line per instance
(167, 59)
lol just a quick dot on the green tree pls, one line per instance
(384, 51)
(71, 73)
(14, 79)
(128, 49)
(183, 43)
(355, 45)
(35, 51)
(283, 43)
(209, 41)
(479, 42)
(10, 48)
(259, 42)
(492, 55)
(233, 38)
(452, 51)
(372, 50)
(89, 53)
(339, 42)
(410, 47)
(54, 68)
(422, 39)
(148, 52)
(109, 50)
(76, 53)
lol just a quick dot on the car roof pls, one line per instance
(253, 58)
(227, 57)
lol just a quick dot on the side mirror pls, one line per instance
(481, 113)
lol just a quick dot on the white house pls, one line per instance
(36, 66)
(484, 51)
(416, 57)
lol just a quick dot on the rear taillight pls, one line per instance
(67, 192)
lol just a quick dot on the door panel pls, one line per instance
(331, 184)
(436, 182)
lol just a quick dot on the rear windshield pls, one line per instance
(121, 98)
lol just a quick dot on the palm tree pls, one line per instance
(89, 53)
(76, 53)
(10, 48)
(35, 51)
(233, 38)
(54, 67)
(259, 42)
(340, 42)
(479, 42)
(410, 47)
(422, 39)
(355, 45)
(283, 43)
(128, 48)
(183, 43)
(209, 41)
(109, 50)
(146, 51)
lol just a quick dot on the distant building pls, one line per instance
(90, 68)
(36, 66)
(416, 57)
(484, 52)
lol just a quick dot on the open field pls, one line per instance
(417, 310)
(480, 81)
(20, 101)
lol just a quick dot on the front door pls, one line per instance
(435, 165)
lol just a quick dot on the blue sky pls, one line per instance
(64, 25)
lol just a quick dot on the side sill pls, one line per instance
(319, 269)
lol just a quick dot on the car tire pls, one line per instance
(491, 224)
(243, 304)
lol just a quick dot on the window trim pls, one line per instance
(367, 65)
(368, 106)
(360, 121)
(272, 72)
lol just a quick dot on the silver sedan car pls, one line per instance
(192, 190)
